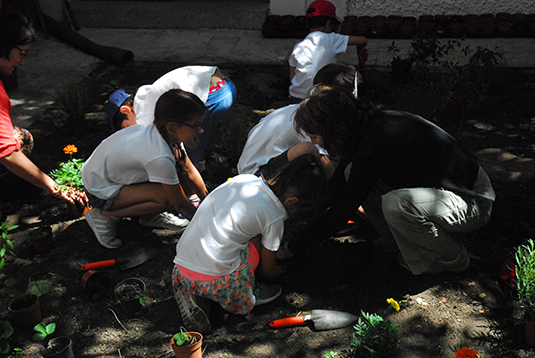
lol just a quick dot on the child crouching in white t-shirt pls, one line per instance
(235, 235)
(141, 169)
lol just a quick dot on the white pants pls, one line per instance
(423, 223)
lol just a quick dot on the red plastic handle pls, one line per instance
(99, 264)
(288, 322)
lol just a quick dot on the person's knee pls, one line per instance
(393, 206)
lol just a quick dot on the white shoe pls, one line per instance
(266, 293)
(164, 220)
(104, 228)
(194, 317)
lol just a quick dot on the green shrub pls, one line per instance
(374, 336)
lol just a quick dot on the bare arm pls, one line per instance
(359, 41)
(292, 73)
(268, 264)
(20, 165)
(178, 199)
(193, 179)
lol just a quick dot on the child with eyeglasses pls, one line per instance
(127, 107)
(143, 169)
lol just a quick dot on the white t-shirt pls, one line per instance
(225, 222)
(309, 56)
(136, 154)
(194, 79)
(272, 136)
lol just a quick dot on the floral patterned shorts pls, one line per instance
(234, 292)
(25, 139)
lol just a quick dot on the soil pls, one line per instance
(439, 313)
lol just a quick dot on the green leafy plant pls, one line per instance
(6, 330)
(9, 288)
(6, 244)
(374, 336)
(68, 174)
(525, 272)
(330, 354)
(38, 288)
(183, 338)
(42, 330)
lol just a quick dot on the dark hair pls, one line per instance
(336, 115)
(119, 117)
(337, 75)
(176, 106)
(318, 21)
(305, 179)
(15, 30)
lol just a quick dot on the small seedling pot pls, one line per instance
(25, 310)
(97, 282)
(191, 351)
(60, 347)
(127, 292)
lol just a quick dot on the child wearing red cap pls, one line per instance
(318, 49)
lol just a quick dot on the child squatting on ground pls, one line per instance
(319, 48)
(127, 107)
(234, 236)
(418, 186)
(16, 38)
(142, 169)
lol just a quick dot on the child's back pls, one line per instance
(318, 49)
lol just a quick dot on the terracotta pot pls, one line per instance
(25, 310)
(43, 239)
(97, 282)
(60, 347)
(193, 351)
(76, 210)
(530, 332)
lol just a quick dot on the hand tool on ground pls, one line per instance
(321, 320)
(133, 258)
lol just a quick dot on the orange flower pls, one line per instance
(70, 149)
(466, 352)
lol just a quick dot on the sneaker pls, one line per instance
(104, 228)
(164, 220)
(194, 317)
(266, 293)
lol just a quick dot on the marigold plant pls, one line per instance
(68, 173)
(466, 352)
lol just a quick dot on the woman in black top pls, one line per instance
(416, 184)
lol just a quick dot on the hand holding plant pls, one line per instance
(69, 178)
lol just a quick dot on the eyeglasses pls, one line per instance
(197, 128)
(23, 53)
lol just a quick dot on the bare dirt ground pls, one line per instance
(442, 312)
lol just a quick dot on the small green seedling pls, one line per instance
(182, 338)
(42, 330)
(38, 287)
(9, 288)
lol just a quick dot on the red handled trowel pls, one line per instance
(322, 320)
(135, 257)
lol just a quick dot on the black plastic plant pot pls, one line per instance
(60, 347)
(128, 292)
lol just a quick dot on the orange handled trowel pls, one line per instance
(322, 320)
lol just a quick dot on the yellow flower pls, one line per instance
(466, 352)
(393, 303)
(70, 149)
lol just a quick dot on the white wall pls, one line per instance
(408, 7)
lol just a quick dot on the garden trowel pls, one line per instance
(131, 259)
(321, 320)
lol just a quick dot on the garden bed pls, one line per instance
(442, 312)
